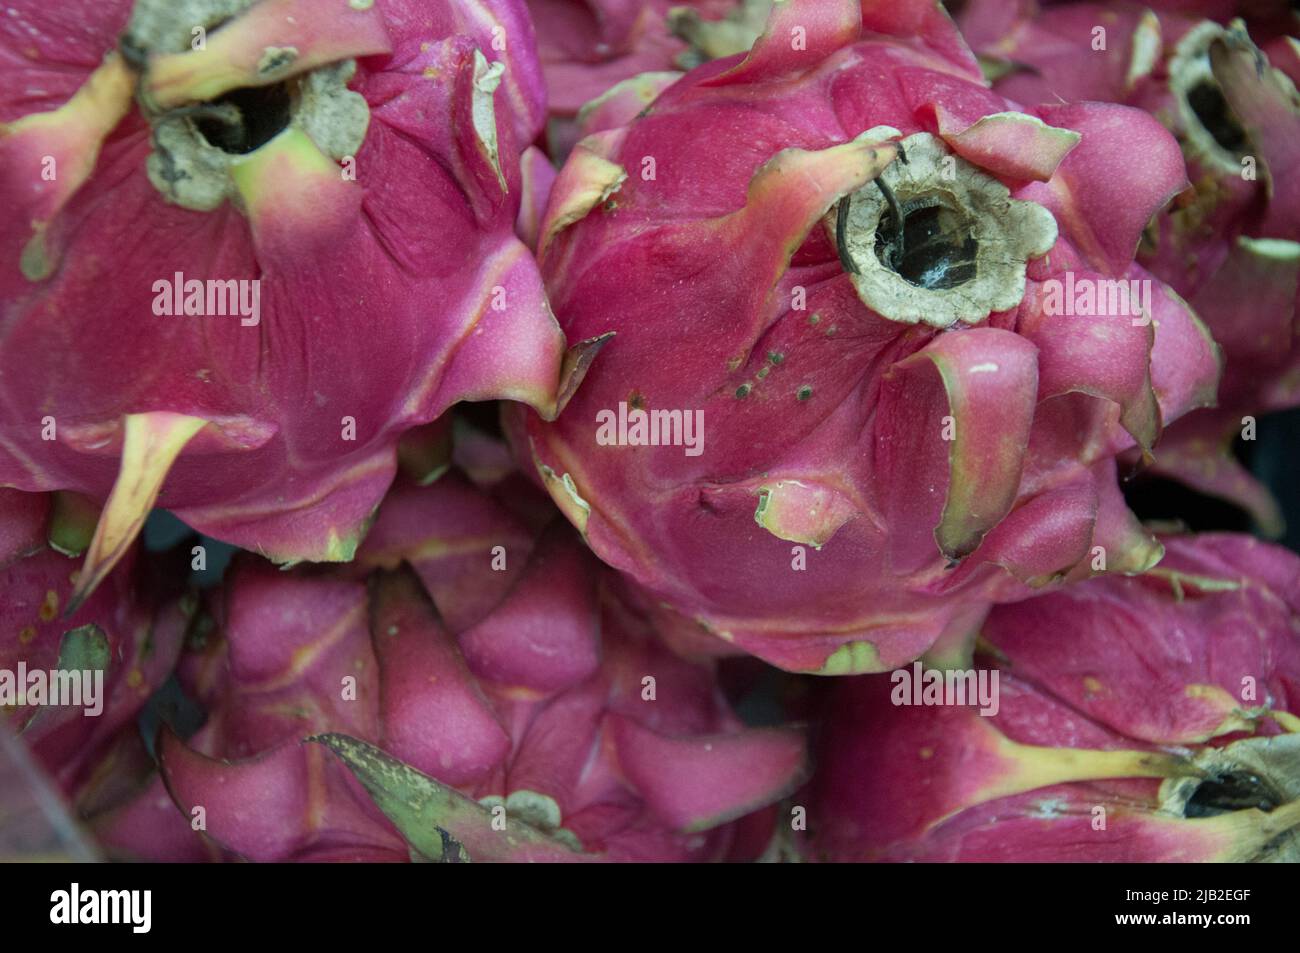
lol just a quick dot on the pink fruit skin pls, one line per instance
(141, 631)
(1191, 246)
(694, 271)
(991, 27)
(1151, 665)
(529, 678)
(587, 46)
(384, 298)
(1266, 18)
(1207, 245)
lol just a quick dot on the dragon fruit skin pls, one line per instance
(1230, 245)
(589, 47)
(822, 425)
(1268, 18)
(379, 305)
(130, 627)
(1244, 281)
(602, 57)
(1156, 62)
(1114, 695)
(540, 674)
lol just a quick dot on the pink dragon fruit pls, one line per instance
(592, 50)
(332, 186)
(569, 733)
(1230, 244)
(1155, 718)
(891, 427)
(1268, 18)
(123, 642)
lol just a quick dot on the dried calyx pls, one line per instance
(1211, 131)
(218, 80)
(934, 240)
(1252, 784)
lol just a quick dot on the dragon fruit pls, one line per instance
(1154, 718)
(595, 50)
(124, 641)
(1230, 244)
(891, 428)
(522, 684)
(587, 47)
(333, 186)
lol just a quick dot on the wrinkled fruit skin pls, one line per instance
(1229, 244)
(391, 281)
(522, 689)
(130, 630)
(824, 421)
(1154, 718)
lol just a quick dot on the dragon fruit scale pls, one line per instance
(1230, 243)
(72, 685)
(481, 682)
(885, 298)
(1154, 718)
(250, 244)
(587, 47)
(595, 51)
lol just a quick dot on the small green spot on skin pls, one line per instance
(830, 332)
(776, 357)
(814, 318)
(361, 4)
(84, 648)
(742, 391)
(539, 810)
(852, 658)
(36, 263)
(340, 549)
(804, 392)
(763, 372)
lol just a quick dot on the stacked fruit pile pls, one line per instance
(572, 381)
